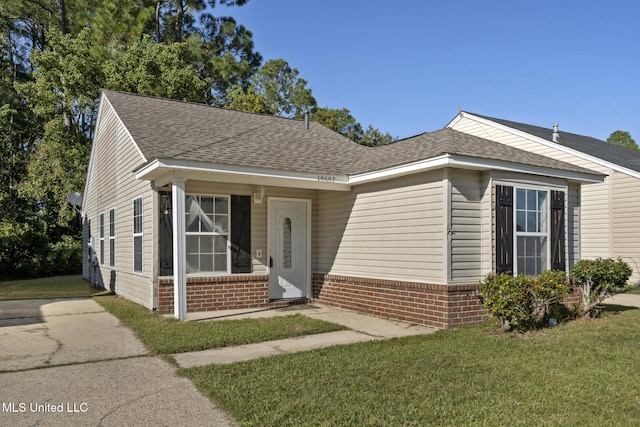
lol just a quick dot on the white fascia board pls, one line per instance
(421, 166)
(550, 144)
(464, 162)
(163, 171)
(485, 164)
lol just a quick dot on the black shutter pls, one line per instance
(557, 231)
(241, 234)
(166, 234)
(504, 229)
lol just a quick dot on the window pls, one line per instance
(286, 243)
(112, 238)
(101, 239)
(207, 233)
(532, 231)
(137, 235)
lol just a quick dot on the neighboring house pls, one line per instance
(610, 223)
(190, 208)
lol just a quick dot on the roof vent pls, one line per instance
(555, 135)
(306, 119)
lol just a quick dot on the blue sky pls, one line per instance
(405, 66)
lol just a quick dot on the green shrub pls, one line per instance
(521, 302)
(597, 278)
(28, 252)
(20, 251)
(548, 288)
(507, 298)
(64, 256)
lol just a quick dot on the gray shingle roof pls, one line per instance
(612, 153)
(449, 141)
(169, 129)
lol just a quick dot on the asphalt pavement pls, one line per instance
(68, 362)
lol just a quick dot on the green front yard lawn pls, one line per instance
(50, 287)
(585, 373)
(166, 335)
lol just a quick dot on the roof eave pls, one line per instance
(163, 171)
(475, 163)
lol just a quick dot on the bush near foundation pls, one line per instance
(597, 279)
(523, 302)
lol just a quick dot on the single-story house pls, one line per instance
(609, 220)
(189, 207)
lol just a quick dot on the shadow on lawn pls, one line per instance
(615, 308)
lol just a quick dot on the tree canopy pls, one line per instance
(56, 56)
(623, 139)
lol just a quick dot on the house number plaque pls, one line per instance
(326, 178)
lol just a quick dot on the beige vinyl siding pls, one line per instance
(89, 218)
(595, 203)
(595, 220)
(573, 210)
(135, 286)
(626, 221)
(465, 233)
(389, 230)
(111, 184)
(487, 204)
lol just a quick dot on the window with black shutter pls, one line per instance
(529, 230)
(209, 256)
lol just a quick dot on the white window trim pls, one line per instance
(112, 238)
(139, 234)
(101, 234)
(213, 233)
(517, 233)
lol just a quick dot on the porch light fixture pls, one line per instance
(257, 197)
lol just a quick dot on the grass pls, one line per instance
(51, 287)
(584, 373)
(164, 335)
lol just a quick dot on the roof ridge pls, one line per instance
(200, 104)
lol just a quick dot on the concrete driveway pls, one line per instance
(68, 362)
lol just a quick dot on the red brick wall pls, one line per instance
(217, 293)
(440, 306)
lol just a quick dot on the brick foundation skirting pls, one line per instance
(217, 293)
(440, 306)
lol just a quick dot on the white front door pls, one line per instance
(288, 249)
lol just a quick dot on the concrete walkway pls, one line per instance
(361, 328)
(68, 362)
(629, 300)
